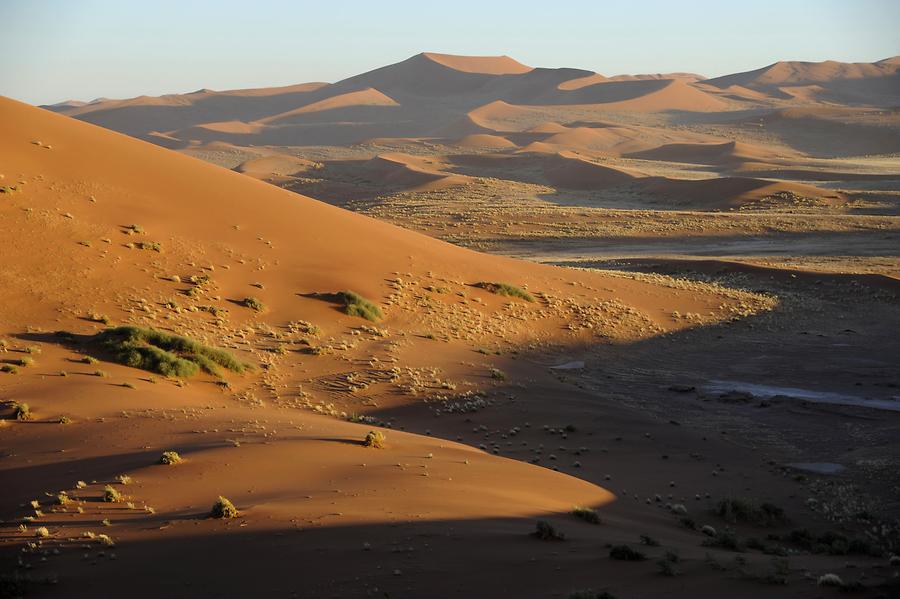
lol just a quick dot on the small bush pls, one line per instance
(497, 374)
(830, 580)
(587, 514)
(507, 290)
(25, 362)
(223, 508)
(148, 245)
(170, 458)
(9, 369)
(21, 411)
(111, 495)
(165, 353)
(62, 498)
(649, 541)
(374, 439)
(89, 360)
(253, 303)
(626, 553)
(545, 531)
(64, 420)
(357, 305)
(724, 539)
(738, 509)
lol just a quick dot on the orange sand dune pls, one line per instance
(875, 84)
(568, 170)
(707, 153)
(731, 192)
(411, 172)
(482, 140)
(278, 165)
(489, 65)
(365, 97)
(650, 95)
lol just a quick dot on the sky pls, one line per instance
(54, 50)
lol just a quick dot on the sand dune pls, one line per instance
(411, 172)
(365, 97)
(707, 153)
(568, 170)
(481, 140)
(876, 84)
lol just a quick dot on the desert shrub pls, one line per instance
(507, 290)
(9, 369)
(374, 439)
(148, 245)
(89, 360)
(64, 420)
(223, 508)
(649, 541)
(111, 495)
(737, 509)
(830, 580)
(167, 354)
(497, 374)
(688, 522)
(62, 498)
(545, 531)
(253, 303)
(24, 362)
(357, 305)
(724, 539)
(170, 458)
(626, 553)
(587, 514)
(21, 411)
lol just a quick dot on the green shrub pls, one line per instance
(737, 509)
(164, 353)
(253, 303)
(587, 514)
(21, 411)
(25, 362)
(64, 420)
(724, 539)
(89, 360)
(170, 458)
(545, 531)
(357, 305)
(374, 439)
(223, 508)
(626, 553)
(9, 369)
(507, 290)
(148, 245)
(111, 495)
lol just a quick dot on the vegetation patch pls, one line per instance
(738, 509)
(170, 458)
(626, 553)
(374, 439)
(165, 353)
(507, 290)
(111, 495)
(223, 508)
(587, 514)
(357, 305)
(545, 531)
(253, 303)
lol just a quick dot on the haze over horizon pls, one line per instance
(96, 48)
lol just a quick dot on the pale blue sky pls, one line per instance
(51, 50)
